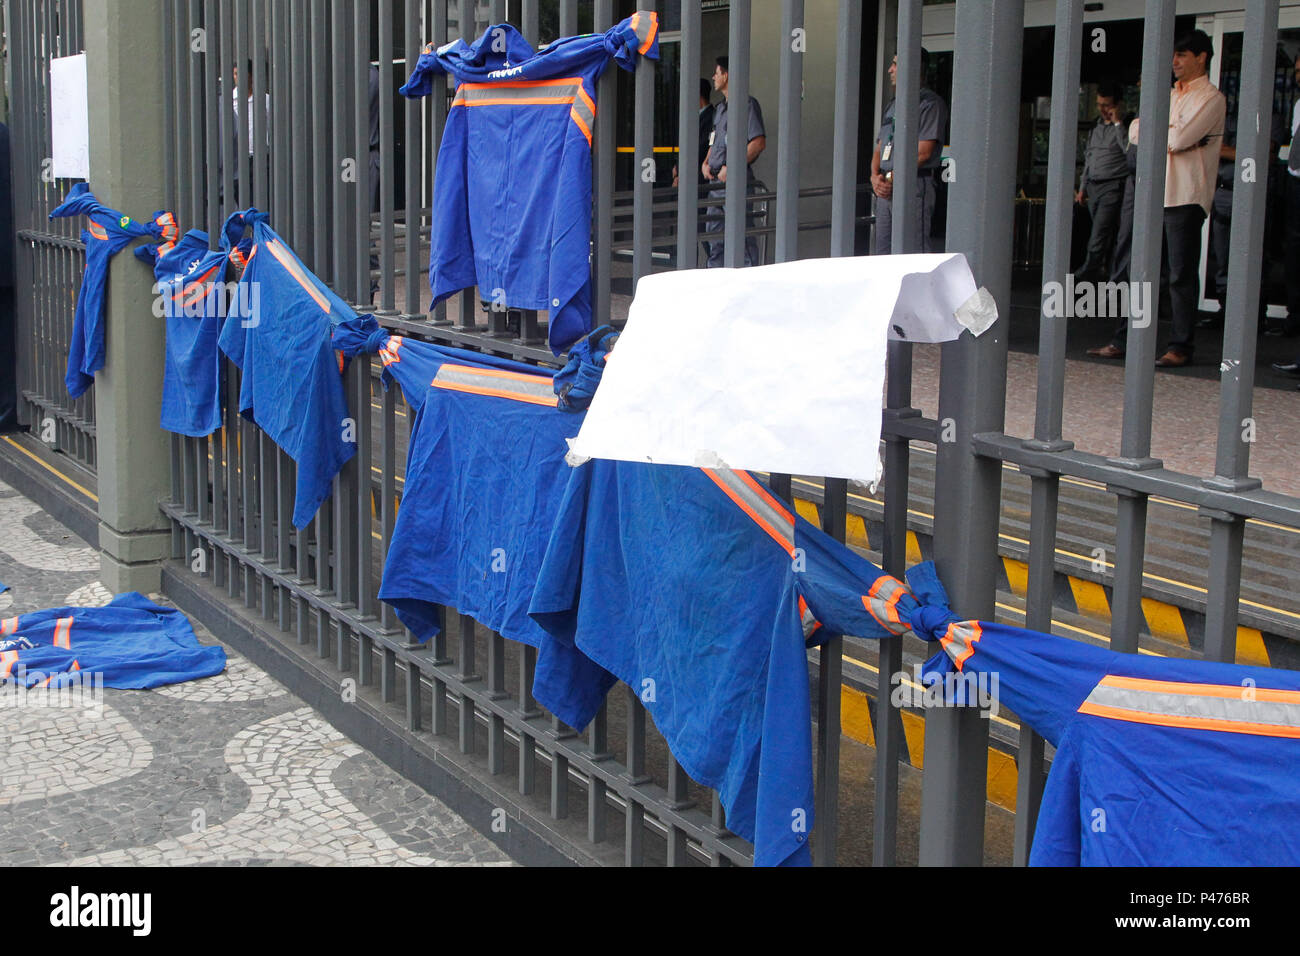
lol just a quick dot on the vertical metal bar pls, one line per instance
(306, 113)
(688, 138)
(597, 810)
(387, 280)
(789, 131)
(240, 37)
(414, 705)
(1237, 370)
(323, 169)
(603, 143)
(413, 197)
(972, 392)
(468, 30)
(569, 17)
(643, 146)
(1045, 486)
(1139, 371)
(198, 196)
(905, 236)
(261, 168)
(223, 124)
(677, 799)
(361, 147)
(338, 130)
(169, 105)
(834, 504)
(468, 672)
(736, 203)
(497, 11)
(528, 710)
(559, 774)
(634, 818)
(496, 691)
(529, 18)
(388, 493)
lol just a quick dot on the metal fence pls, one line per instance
(307, 159)
(50, 258)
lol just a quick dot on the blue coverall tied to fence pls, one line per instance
(292, 385)
(106, 234)
(512, 191)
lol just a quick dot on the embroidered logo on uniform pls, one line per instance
(124, 221)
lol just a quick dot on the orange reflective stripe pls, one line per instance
(887, 603)
(7, 661)
(807, 619)
(251, 252)
(338, 353)
(752, 499)
(286, 259)
(197, 287)
(96, 230)
(63, 633)
(581, 123)
(8, 625)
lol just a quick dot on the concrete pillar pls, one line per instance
(123, 63)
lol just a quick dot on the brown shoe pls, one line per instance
(1106, 351)
(1172, 359)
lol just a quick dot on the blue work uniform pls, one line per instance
(701, 591)
(485, 473)
(129, 643)
(512, 190)
(1159, 761)
(191, 283)
(278, 333)
(105, 235)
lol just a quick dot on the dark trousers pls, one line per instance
(1104, 202)
(1220, 231)
(715, 222)
(922, 211)
(1124, 234)
(1180, 281)
(1292, 251)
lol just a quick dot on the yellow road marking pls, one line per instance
(1164, 620)
(1017, 576)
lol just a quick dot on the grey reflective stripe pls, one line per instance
(882, 602)
(464, 378)
(585, 113)
(810, 623)
(644, 21)
(560, 93)
(960, 639)
(1227, 713)
(779, 520)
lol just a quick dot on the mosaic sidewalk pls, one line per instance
(231, 770)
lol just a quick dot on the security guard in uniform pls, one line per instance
(931, 129)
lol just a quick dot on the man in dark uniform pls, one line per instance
(1105, 169)
(931, 129)
(714, 167)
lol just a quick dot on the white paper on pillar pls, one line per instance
(775, 368)
(69, 118)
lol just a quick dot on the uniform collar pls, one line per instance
(1196, 84)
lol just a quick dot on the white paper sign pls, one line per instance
(69, 118)
(775, 368)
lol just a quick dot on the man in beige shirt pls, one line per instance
(1196, 114)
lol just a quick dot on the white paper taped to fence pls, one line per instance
(775, 368)
(69, 118)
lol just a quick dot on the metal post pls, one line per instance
(972, 393)
(1237, 371)
(736, 203)
(123, 48)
